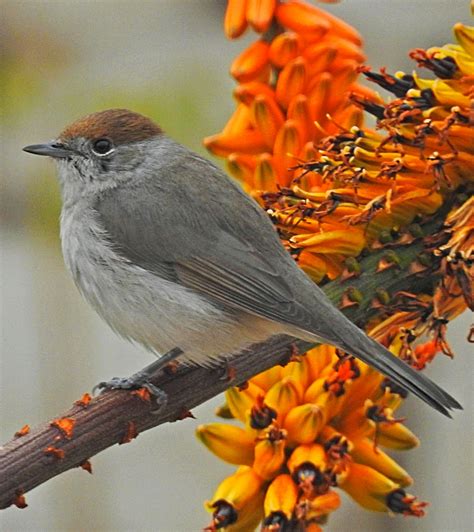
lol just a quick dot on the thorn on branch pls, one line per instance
(65, 426)
(19, 501)
(130, 434)
(22, 432)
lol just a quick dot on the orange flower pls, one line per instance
(314, 52)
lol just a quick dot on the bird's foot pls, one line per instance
(141, 379)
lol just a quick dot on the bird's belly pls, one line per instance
(162, 315)
(158, 313)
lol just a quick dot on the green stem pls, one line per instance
(365, 287)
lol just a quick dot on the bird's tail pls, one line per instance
(374, 354)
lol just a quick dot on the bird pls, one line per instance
(175, 256)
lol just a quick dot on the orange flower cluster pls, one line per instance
(335, 190)
(285, 93)
(375, 190)
(317, 423)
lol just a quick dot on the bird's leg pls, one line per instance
(141, 379)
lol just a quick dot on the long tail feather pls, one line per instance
(377, 356)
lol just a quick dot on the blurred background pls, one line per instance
(167, 59)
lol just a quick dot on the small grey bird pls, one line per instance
(172, 254)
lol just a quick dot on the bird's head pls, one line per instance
(101, 150)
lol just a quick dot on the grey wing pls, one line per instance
(222, 245)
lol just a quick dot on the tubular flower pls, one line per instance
(330, 426)
(284, 97)
(395, 203)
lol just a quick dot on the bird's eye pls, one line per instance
(102, 146)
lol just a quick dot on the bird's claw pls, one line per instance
(141, 379)
(135, 382)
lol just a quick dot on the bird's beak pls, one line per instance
(51, 149)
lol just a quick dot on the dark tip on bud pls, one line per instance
(401, 503)
(393, 388)
(374, 413)
(311, 480)
(262, 417)
(337, 447)
(395, 501)
(306, 472)
(276, 522)
(224, 515)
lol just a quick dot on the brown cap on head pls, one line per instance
(119, 125)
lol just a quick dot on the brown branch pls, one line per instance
(117, 416)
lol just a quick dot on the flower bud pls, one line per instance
(241, 401)
(251, 62)
(281, 497)
(364, 452)
(282, 397)
(270, 453)
(303, 423)
(368, 487)
(260, 14)
(235, 21)
(228, 442)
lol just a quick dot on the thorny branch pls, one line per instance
(33, 457)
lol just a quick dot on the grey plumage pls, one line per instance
(171, 253)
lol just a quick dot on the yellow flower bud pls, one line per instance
(465, 37)
(270, 453)
(364, 452)
(267, 378)
(315, 390)
(368, 487)
(356, 424)
(282, 397)
(332, 242)
(298, 370)
(246, 518)
(231, 444)
(319, 506)
(241, 401)
(320, 358)
(236, 491)
(281, 496)
(249, 516)
(396, 436)
(303, 423)
(313, 453)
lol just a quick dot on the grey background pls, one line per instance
(63, 59)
